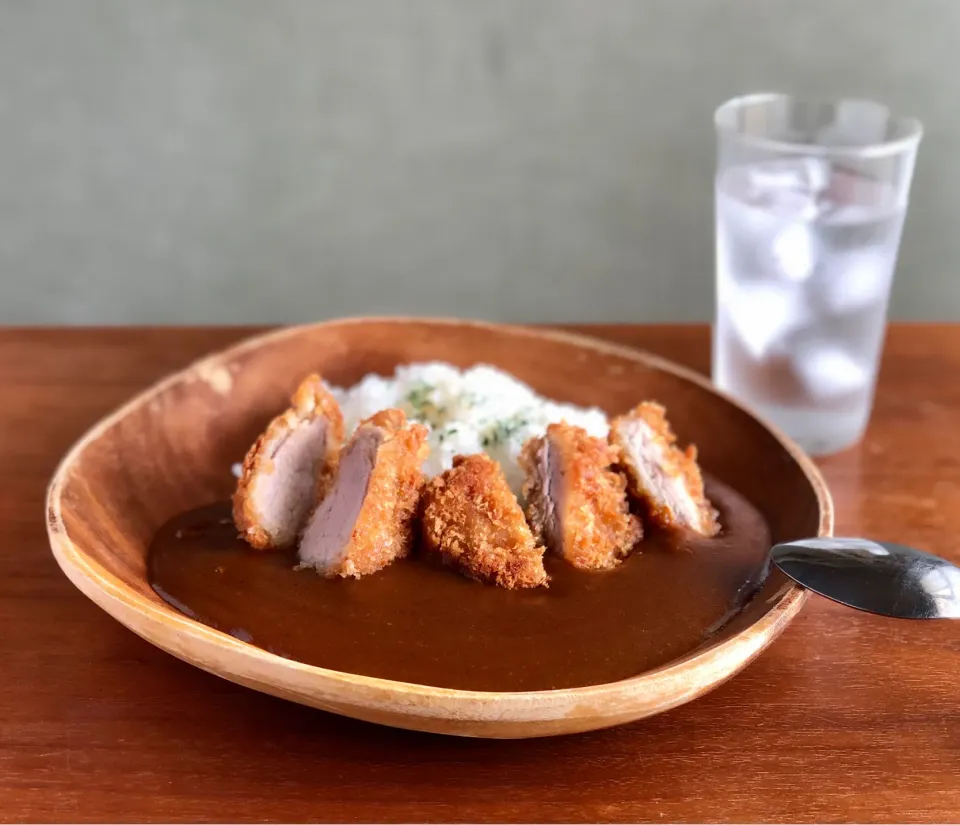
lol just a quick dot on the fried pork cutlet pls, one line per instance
(472, 519)
(366, 519)
(665, 479)
(576, 504)
(281, 471)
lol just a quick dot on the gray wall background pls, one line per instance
(272, 161)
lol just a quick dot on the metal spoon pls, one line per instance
(878, 577)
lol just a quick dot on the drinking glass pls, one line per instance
(810, 204)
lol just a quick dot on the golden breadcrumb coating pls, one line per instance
(384, 529)
(311, 401)
(473, 520)
(665, 479)
(576, 504)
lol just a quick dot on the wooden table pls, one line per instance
(846, 717)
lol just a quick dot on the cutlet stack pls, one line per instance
(355, 508)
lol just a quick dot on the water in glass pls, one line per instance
(805, 255)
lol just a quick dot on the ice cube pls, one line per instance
(827, 371)
(794, 252)
(763, 177)
(855, 281)
(766, 195)
(807, 175)
(763, 315)
(787, 203)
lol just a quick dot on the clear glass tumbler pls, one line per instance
(810, 202)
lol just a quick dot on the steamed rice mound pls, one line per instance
(478, 410)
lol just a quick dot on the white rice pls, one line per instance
(481, 409)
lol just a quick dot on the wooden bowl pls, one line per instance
(171, 448)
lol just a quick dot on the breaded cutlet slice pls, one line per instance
(665, 479)
(473, 521)
(366, 519)
(576, 503)
(281, 471)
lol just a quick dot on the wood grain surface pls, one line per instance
(846, 718)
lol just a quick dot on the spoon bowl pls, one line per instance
(877, 577)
